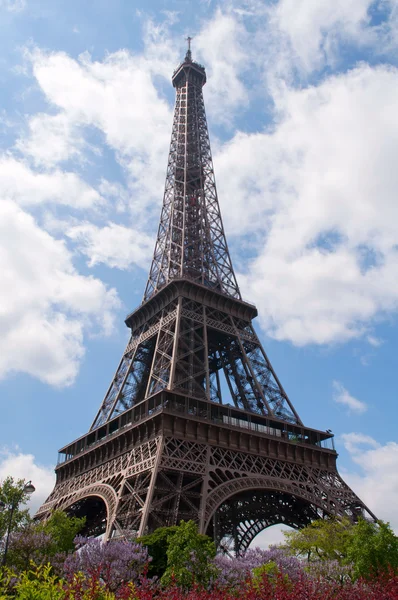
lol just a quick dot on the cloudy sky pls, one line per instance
(302, 103)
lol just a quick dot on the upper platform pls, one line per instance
(194, 291)
(187, 67)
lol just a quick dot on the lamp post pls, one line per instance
(28, 488)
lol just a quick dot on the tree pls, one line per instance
(29, 545)
(370, 548)
(157, 544)
(373, 549)
(12, 495)
(44, 542)
(325, 539)
(189, 557)
(63, 529)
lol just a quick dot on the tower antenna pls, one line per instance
(188, 55)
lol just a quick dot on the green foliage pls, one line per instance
(38, 584)
(189, 557)
(179, 553)
(42, 543)
(269, 571)
(326, 539)
(12, 494)
(63, 529)
(157, 544)
(373, 549)
(6, 583)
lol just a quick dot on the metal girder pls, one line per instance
(185, 348)
(231, 494)
(245, 515)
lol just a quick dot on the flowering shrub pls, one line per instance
(40, 584)
(235, 571)
(113, 563)
(29, 545)
(117, 570)
(43, 543)
(330, 570)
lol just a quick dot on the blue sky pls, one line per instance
(301, 105)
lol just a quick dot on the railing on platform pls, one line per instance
(221, 414)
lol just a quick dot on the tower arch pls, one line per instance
(255, 504)
(87, 503)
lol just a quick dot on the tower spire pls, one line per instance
(191, 242)
(188, 56)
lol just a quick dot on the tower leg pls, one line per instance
(148, 500)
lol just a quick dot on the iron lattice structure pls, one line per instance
(195, 424)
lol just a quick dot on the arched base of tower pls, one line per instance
(151, 475)
(93, 508)
(239, 519)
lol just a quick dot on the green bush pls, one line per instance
(157, 544)
(370, 548)
(189, 557)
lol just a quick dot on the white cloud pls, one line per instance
(222, 45)
(312, 32)
(377, 481)
(116, 96)
(113, 245)
(46, 306)
(299, 40)
(374, 341)
(342, 396)
(353, 442)
(13, 5)
(52, 139)
(319, 192)
(28, 187)
(18, 465)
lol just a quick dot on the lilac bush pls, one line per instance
(234, 571)
(33, 545)
(114, 562)
(330, 570)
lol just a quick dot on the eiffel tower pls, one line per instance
(196, 424)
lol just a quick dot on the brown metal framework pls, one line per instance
(195, 424)
(191, 242)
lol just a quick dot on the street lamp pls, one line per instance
(28, 488)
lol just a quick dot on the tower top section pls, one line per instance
(189, 70)
(191, 242)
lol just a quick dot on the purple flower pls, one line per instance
(114, 562)
(30, 545)
(330, 570)
(234, 571)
